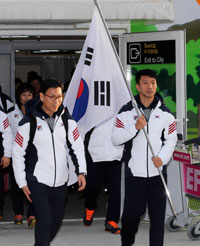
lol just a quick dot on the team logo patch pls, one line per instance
(19, 139)
(39, 128)
(16, 116)
(157, 116)
(135, 117)
(6, 123)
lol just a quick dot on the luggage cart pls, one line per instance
(188, 156)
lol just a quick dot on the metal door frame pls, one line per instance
(9, 47)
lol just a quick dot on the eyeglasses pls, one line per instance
(54, 98)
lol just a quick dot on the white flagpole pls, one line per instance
(136, 108)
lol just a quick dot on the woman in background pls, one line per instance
(24, 93)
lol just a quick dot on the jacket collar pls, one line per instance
(42, 114)
(156, 102)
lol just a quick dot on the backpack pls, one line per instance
(4, 99)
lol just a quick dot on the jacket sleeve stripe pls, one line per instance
(119, 123)
(19, 139)
(172, 127)
(6, 123)
(76, 134)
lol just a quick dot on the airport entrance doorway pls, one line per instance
(48, 58)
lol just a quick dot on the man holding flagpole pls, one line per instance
(143, 185)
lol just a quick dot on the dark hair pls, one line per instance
(31, 74)
(36, 77)
(50, 83)
(18, 81)
(144, 72)
(24, 87)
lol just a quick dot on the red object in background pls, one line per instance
(191, 175)
(198, 1)
(182, 157)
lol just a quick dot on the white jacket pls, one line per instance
(45, 159)
(15, 116)
(101, 147)
(161, 130)
(6, 135)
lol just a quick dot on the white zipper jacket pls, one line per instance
(161, 129)
(101, 147)
(15, 116)
(5, 135)
(45, 159)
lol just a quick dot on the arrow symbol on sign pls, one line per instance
(135, 53)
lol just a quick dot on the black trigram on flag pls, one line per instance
(102, 93)
(88, 57)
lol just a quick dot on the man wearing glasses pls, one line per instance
(40, 165)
